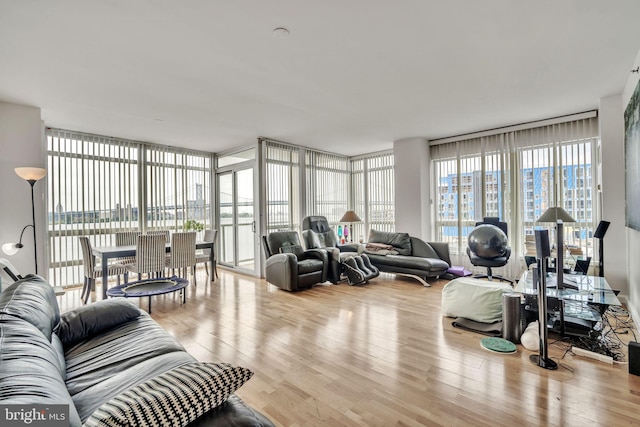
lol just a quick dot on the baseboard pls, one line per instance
(635, 314)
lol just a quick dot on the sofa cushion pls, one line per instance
(416, 263)
(32, 299)
(93, 319)
(400, 241)
(106, 364)
(297, 250)
(174, 398)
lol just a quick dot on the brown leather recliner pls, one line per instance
(289, 266)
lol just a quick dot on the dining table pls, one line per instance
(105, 253)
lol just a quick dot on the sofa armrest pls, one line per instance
(350, 247)
(442, 249)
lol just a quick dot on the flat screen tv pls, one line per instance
(632, 160)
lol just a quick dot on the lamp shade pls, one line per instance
(28, 173)
(11, 248)
(350, 216)
(554, 214)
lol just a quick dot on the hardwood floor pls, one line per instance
(379, 355)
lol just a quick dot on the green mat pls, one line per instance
(498, 345)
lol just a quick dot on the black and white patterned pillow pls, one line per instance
(175, 398)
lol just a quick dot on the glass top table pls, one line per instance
(578, 288)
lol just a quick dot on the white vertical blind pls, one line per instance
(282, 187)
(327, 185)
(517, 176)
(372, 184)
(96, 189)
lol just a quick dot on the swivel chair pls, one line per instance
(488, 247)
(317, 234)
(289, 266)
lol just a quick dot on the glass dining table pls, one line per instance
(105, 253)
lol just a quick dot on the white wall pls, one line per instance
(412, 159)
(611, 121)
(21, 144)
(633, 236)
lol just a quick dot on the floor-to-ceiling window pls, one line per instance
(517, 176)
(372, 183)
(100, 185)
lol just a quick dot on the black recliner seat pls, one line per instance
(289, 266)
(317, 234)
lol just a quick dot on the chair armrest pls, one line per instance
(323, 256)
(282, 271)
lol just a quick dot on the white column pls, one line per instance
(22, 144)
(412, 187)
(611, 121)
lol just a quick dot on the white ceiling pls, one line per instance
(351, 77)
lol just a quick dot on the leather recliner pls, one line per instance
(289, 266)
(317, 234)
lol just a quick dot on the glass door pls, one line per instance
(236, 210)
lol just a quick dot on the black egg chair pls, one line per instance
(487, 247)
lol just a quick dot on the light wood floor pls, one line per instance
(381, 355)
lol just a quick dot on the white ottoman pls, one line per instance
(474, 299)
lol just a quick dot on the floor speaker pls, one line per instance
(634, 358)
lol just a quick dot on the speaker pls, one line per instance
(634, 358)
(601, 230)
(543, 250)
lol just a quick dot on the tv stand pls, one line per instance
(574, 310)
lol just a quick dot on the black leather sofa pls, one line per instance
(87, 356)
(408, 256)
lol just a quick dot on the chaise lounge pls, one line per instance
(405, 255)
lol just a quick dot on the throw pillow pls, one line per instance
(293, 249)
(175, 398)
(93, 319)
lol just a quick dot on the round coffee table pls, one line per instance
(149, 288)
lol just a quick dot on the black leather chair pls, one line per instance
(317, 234)
(496, 259)
(289, 266)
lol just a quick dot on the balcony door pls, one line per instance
(237, 219)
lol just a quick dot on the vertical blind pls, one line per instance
(373, 189)
(282, 187)
(517, 176)
(99, 185)
(327, 185)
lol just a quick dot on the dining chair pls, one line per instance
(91, 270)
(150, 255)
(183, 252)
(205, 256)
(126, 238)
(165, 233)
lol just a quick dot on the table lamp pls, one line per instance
(350, 217)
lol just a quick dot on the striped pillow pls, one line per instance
(175, 398)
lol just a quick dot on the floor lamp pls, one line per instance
(558, 216)
(31, 175)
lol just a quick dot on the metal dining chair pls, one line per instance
(183, 252)
(91, 270)
(150, 255)
(205, 255)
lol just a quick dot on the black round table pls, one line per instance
(149, 288)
